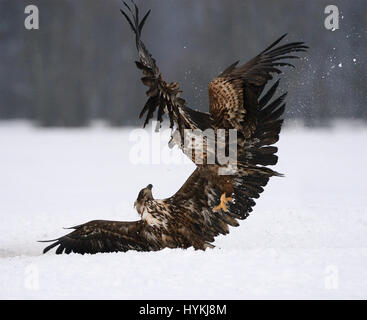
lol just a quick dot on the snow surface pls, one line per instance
(306, 238)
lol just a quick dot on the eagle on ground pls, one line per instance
(209, 202)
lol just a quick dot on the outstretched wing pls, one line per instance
(163, 97)
(234, 94)
(196, 201)
(195, 205)
(105, 236)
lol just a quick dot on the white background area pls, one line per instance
(306, 238)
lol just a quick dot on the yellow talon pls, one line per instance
(223, 203)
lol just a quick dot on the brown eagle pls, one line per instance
(209, 202)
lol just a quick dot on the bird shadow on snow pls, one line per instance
(11, 253)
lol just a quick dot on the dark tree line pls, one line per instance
(79, 65)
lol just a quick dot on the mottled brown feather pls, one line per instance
(188, 217)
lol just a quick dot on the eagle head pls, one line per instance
(144, 195)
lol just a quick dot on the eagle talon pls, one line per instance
(223, 203)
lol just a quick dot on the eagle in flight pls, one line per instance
(209, 201)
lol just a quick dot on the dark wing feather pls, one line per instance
(105, 236)
(234, 94)
(193, 204)
(163, 97)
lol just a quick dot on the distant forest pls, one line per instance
(79, 67)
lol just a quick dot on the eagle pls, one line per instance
(210, 201)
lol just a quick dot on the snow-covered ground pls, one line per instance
(307, 237)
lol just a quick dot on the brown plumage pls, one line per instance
(208, 203)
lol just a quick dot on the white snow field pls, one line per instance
(306, 239)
